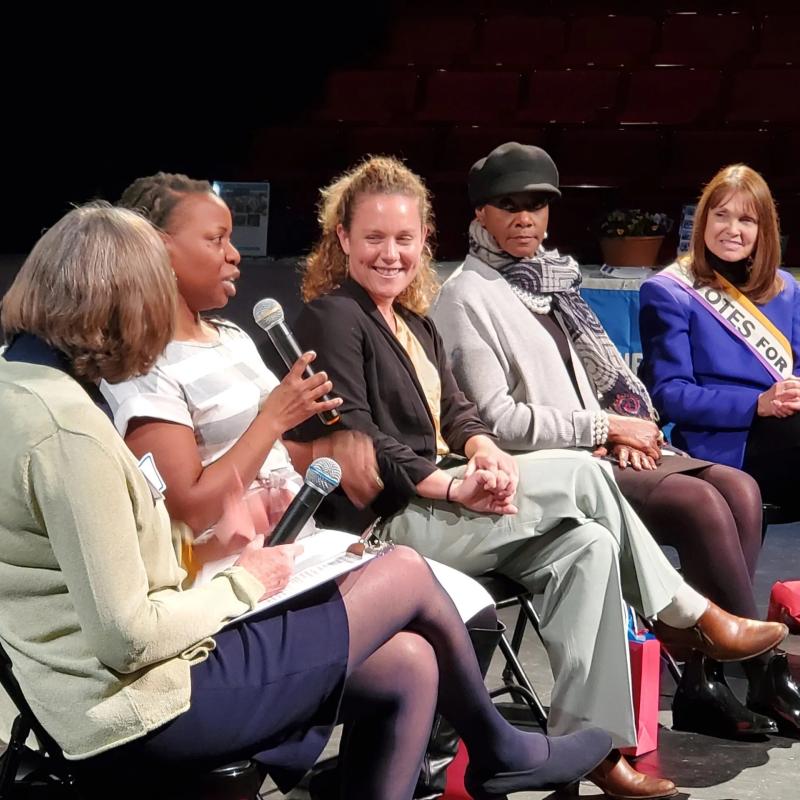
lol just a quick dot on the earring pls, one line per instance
(749, 265)
(544, 236)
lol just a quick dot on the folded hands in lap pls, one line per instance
(782, 399)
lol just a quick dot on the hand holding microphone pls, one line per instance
(298, 397)
(268, 315)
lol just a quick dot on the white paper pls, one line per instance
(324, 558)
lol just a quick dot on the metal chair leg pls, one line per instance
(521, 678)
(672, 665)
(519, 631)
(526, 604)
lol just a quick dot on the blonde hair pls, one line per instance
(97, 286)
(763, 281)
(326, 266)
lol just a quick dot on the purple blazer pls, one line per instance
(701, 377)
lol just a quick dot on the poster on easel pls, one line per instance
(249, 205)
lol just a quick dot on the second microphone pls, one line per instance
(268, 315)
(322, 477)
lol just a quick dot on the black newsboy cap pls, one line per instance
(510, 168)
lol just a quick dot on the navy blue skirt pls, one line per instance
(270, 691)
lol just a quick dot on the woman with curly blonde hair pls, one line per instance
(327, 266)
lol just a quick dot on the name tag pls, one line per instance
(155, 482)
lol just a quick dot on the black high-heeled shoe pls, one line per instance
(570, 758)
(704, 703)
(778, 695)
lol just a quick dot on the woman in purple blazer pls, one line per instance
(725, 372)
(721, 341)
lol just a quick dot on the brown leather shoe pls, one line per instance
(619, 780)
(723, 636)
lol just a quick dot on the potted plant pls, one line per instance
(631, 237)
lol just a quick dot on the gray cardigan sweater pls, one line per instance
(509, 365)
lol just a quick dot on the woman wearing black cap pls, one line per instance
(553, 521)
(544, 374)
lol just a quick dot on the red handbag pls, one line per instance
(454, 787)
(645, 660)
(784, 604)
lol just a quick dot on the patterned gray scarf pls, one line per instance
(548, 273)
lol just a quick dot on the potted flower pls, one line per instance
(632, 237)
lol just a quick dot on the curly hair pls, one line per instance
(326, 266)
(98, 287)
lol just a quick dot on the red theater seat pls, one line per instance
(519, 41)
(470, 96)
(289, 151)
(417, 146)
(369, 96)
(697, 155)
(712, 40)
(780, 40)
(765, 96)
(610, 40)
(464, 145)
(569, 95)
(616, 157)
(427, 41)
(671, 96)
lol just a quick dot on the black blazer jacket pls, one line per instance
(382, 396)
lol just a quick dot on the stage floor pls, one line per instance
(703, 767)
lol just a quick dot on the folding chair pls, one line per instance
(46, 774)
(506, 593)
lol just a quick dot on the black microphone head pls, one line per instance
(324, 475)
(267, 313)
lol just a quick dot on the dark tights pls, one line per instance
(713, 519)
(404, 633)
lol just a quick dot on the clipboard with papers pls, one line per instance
(326, 555)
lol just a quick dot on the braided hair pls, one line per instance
(156, 196)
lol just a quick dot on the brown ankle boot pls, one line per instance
(723, 636)
(620, 781)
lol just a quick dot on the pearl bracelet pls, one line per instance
(599, 428)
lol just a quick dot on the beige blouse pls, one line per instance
(428, 376)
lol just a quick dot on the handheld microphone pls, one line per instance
(268, 315)
(322, 477)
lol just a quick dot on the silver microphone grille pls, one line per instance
(267, 313)
(324, 475)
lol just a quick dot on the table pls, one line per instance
(616, 303)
